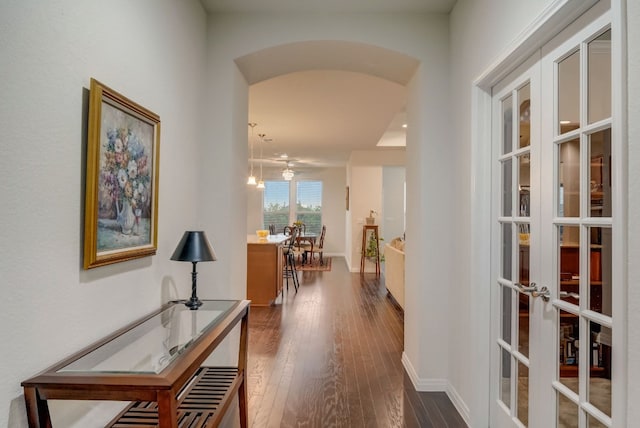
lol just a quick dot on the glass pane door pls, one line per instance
(513, 159)
(578, 74)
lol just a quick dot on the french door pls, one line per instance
(553, 292)
(516, 201)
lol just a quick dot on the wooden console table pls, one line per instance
(156, 363)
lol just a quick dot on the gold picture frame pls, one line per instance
(121, 197)
(347, 199)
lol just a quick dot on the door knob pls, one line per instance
(543, 292)
(526, 288)
(534, 291)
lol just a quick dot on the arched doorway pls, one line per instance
(324, 105)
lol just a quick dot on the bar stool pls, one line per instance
(290, 260)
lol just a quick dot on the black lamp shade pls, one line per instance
(194, 247)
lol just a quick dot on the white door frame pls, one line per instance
(558, 15)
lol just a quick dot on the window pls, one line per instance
(278, 207)
(275, 204)
(309, 204)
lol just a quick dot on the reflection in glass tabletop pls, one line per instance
(152, 345)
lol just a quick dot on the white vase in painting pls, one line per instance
(126, 218)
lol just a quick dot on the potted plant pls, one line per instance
(371, 219)
(371, 252)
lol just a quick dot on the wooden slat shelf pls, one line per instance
(202, 402)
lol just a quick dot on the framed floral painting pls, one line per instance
(121, 198)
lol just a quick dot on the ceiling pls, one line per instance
(342, 98)
(433, 6)
(319, 117)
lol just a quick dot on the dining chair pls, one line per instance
(319, 248)
(304, 244)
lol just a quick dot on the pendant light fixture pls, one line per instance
(261, 181)
(252, 178)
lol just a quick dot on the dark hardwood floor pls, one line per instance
(330, 356)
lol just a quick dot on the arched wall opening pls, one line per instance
(246, 48)
(327, 55)
(365, 87)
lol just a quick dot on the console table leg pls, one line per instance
(37, 409)
(167, 410)
(242, 404)
(242, 368)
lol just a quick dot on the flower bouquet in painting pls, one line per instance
(124, 187)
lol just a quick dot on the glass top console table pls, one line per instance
(156, 363)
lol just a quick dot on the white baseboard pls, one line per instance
(334, 254)
(423, 385)
(436, 385)
(459, 403)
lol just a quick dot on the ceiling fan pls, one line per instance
(287, 173)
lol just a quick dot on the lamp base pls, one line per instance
(193, 303)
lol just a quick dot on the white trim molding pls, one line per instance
(458, 403)
(558, 15)
(436, 385)
(423, 385)
(620, 147)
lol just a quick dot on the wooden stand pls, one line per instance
(366, 230)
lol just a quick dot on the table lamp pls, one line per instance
(194, 247)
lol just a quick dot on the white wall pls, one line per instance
(365, 191)
(333, 204)
(395, 156)
(392, 215)
(366, 187)
(431, 229)
(348, 222)
(151, 51)
(223, 165)
(254, 210)
(424, 37)
(334, 182)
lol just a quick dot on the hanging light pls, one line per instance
(261, 182)
(287, 173)
(252, 179)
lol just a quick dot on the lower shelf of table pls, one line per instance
(201, 403)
